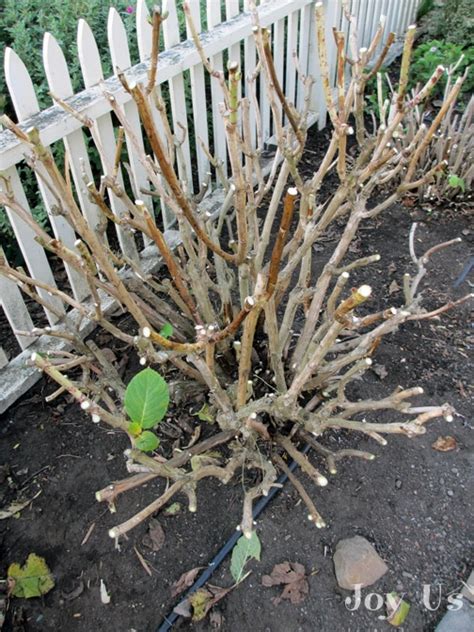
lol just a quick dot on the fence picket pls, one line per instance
(33, 254)
(291, 49)
(333, 17)
(26, 104)
(91, 67)
(303, 49)
(383, 12)
(371, 21)
(15, 310)
(120, 55)
(178, 101)
(279, 55)
(217, 61)
(250, 57)
(231, 10)
(144, 41)
(59, 81)
(198, 96)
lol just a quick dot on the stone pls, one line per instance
(356, 562)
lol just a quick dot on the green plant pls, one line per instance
(456, 182)
(455, 18)
(245, 550)
(437, 52)
(33, 579)
(146, 401)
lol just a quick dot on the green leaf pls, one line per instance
(173, 509)
(134, 428)
(147, 441)
(205, 414)
(245, 550)
(147, 398)
(454, 181)
(397, 609)
(166, 331)
(33, 579)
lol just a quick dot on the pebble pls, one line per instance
(450, 492)
(398, 483)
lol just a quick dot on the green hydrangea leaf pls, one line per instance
(147, 398)
(147, 441)
(166, 331)
(134, 428)
(245, 550)
(455, 181)
(33, 579)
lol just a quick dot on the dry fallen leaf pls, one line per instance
(185, 581)
(293, 576)
(155, 538)
(14, 509)
(445, 444)
(393, 287)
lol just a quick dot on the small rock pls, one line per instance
(357, 562)
(407, 575)
(398, 483)
(450, 492)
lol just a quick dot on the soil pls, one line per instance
(412, 502)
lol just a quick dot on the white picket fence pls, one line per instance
(228, 36)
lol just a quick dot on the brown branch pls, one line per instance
(313, 515)
(276, 85)
(285, 223)
(157, 20)
(171, 177)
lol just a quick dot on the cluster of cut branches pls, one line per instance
(229, 290)
(452, 143)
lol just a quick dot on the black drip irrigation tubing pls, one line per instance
(464, 273)
(214, 564)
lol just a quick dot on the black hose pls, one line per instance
(464, 273)
(170, 619)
